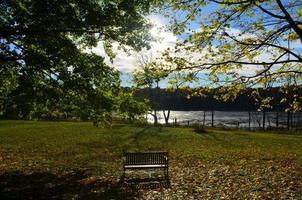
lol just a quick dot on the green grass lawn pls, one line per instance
(65, 160)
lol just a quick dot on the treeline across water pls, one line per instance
(243, 111)
(178, 100)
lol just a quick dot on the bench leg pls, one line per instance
(167, 177)
(124, 175)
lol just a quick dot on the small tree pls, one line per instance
(132, 108)
(148, 76)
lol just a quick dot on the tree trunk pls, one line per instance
(288, 120)
(204, 118)
(277, 119)
(263, 119)
(154, 115)
(291, 120)
(166, 116)
(249, 120)
(212, 124)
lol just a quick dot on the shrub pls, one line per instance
(199, 128)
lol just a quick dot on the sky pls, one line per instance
(126, 63)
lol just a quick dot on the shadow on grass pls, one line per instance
(119, 126)
(210, 135)
(139, 134)
(45, 185)
(146, 183)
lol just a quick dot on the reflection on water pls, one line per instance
(230, 118)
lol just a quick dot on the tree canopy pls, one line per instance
(46, 66)
(239, 43)
(44, 60)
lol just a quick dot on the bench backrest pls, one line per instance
(146, 158)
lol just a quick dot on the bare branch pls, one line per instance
(270, 13)
(263, 43)
(231, 3)
(210, 65)
(290, 20)
(28, 31)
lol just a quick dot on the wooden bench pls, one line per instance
(147, 160)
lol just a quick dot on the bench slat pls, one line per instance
(146, 158)
(144, 166)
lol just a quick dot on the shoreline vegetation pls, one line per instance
(65, 160)
(209, 100)
(249, 120)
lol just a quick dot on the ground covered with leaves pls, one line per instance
(69, 160)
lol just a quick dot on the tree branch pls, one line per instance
(231, 3)
(27, 31)
(266, 44)
(210, 65)
(265, 70)
(290, 20)
(270, 13)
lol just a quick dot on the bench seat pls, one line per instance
(144, 166)
(147, 160)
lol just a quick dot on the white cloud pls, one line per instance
(265, 55)
(127, 63)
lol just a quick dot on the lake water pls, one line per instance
(228, 118)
